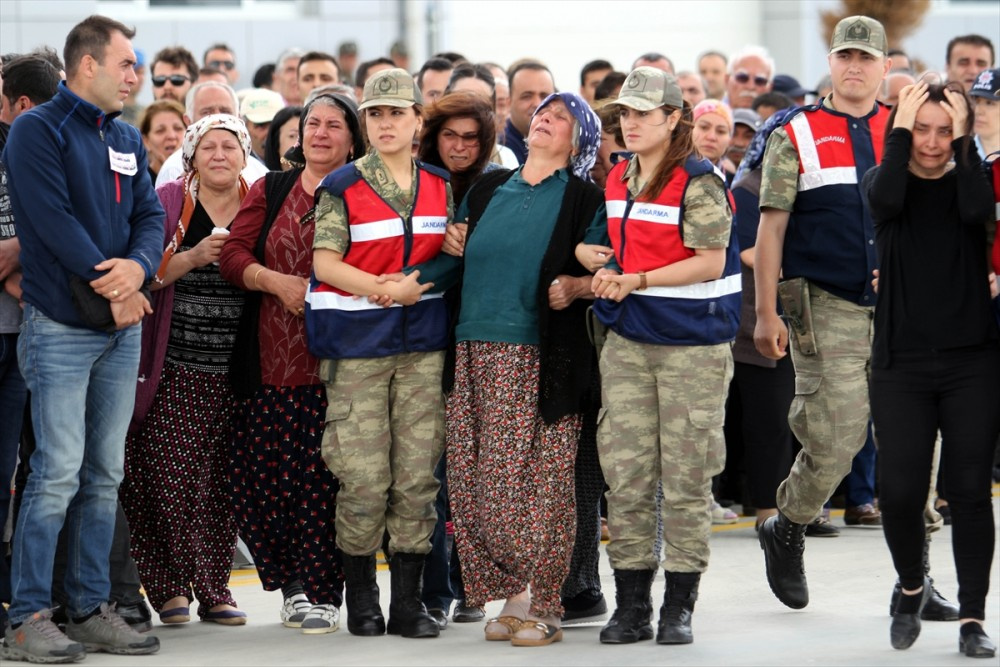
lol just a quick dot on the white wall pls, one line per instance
(566, 35)
(563, 33)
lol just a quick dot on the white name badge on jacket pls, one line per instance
(123, 163)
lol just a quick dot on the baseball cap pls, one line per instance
(392, 87)
(259, 105)
(987, 85)
(747, 117)
(789, 85)
(398, 48)
(859, 32)
(647, 88)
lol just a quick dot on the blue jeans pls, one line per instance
(82, 386)
(859, 485)
(12, 398)
(437, 591)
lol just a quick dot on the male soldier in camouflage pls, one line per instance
(815, 230)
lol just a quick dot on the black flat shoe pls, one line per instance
(976, 644)
(905, 626)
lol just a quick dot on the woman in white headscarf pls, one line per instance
(175, 491)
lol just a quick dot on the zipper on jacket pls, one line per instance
(407, 250)
(407, 241)
(118, 186)
(628, 209)
(408, 224)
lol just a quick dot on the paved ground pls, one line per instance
(737, 621)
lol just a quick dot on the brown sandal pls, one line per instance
(510, 623)
(549, 634)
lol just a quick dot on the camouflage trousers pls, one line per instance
(662, 416)
(829, 414)
(384, 436)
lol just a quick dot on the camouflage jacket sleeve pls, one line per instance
(332, 230)
(779, 173)
(451, 204)
(708, 221)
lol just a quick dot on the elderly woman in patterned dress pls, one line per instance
(284, 495)
(175, 492)
(521, 371)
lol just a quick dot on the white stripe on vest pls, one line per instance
(646, 212)
(829, 176)
(380, 229)
(712, 289)
(334, 301)
(998, 211)
(813, 176)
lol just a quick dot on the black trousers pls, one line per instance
(764, 396)
(583, 567)
(958, 392)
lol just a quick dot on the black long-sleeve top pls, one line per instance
(933, 292)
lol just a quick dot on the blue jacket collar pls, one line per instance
(76, 104)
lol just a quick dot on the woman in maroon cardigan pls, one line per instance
(283, 492)
(183, 533)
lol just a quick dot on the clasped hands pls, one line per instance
(120, 285)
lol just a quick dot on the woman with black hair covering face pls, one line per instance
(283, 492)
(281, 136)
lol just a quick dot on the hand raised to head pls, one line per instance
(911, 98)
(957, 107)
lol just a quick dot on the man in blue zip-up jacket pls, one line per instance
(86, 208)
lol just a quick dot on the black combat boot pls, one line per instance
(679, 596)
(364, 615)
(407, 615)
(937, 608)
(783, 542)
(634, 608)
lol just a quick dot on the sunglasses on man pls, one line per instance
(227, 65)
(744, 78)
(174, 79)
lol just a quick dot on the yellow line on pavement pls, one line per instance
(249, 577)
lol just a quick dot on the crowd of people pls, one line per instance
(458, 315)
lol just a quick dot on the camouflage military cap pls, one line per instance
(647, 88)
(859, 32)
(392, 88)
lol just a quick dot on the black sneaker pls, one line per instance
(466, 614)
(945, 512)
(137, 615)
(440, 617)
(584, 607)
(821, 527)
